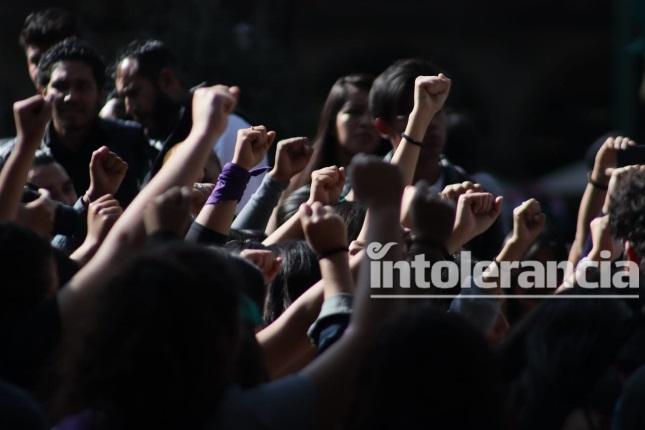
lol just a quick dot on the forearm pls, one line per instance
(285, 340)
(383, 228)
(590, 205)
(291, 229)
(13, 177)
(128, 233)
(256, 213)
(336, 275)
(84, 253)
(513, 250)
(406, 155)
(218, 216)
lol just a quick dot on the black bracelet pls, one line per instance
(409, 139)
(596, 184)
(333, 251)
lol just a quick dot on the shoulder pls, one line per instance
(452, 172)
(120, 127)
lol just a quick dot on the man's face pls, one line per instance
(74, 94)
(139, 94)
(33, 54)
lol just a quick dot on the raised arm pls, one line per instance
(379, 186)
(211, 107)
(251, 147)
(292, 155)
(326, 187)
(31, 116)
(595, 192)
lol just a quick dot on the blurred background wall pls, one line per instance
(534, 81)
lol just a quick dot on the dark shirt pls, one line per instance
(29, 341)
(126, 139)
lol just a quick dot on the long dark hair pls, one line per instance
(326, 143)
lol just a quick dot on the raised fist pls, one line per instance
(292, 155)
(324, 229)
(430, 94)
(265, 260)
(327, 185)
(101, 216)
(31, 117)
(107, 171)
(252, 145)
(528, 222)
(211, 107)
(375, 182)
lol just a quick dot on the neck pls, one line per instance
(71, 139)
(343, 156)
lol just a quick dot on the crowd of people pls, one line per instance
(159, 273)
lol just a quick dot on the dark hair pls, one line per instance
(353, 213)
(325, 143)
(25, 263)
(429, 369)
(47, 27)
(392, 92)
(300, 270)
(151, 55)
(627, 211)
(289, 206)
(163, 344)
(554, 357)
(71, 49)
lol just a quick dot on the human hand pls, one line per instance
(326, 185)
(324, 229)
(210, 109)
(199, 195)
(31, 117)
(528, 222)
(102, 213)
(107, 171)
(252, 145)
(39, 214)
(376, 183)
(453, 191)
(475, 213)
(169, 212)
(266, 261)
(292, 155)
(430, 94)
(431, 218)
(607, 156)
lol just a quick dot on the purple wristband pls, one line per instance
(231, 183)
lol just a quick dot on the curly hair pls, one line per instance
(71, 49)
(627, 211)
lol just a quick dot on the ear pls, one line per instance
(167, 79)
(383, 127)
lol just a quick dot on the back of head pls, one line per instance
(627, 211)
(161, 350)
(27, 267)
(46, 27)
(152, 57)
(429, 369)
(392, 92)
(555, 356)
(71, 49)
(299, 271)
